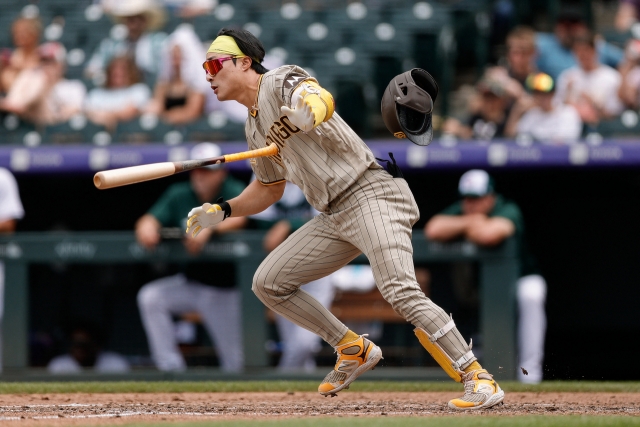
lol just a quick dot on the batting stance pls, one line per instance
(364, 209)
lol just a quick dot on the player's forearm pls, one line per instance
(445, 227)
(256, 198)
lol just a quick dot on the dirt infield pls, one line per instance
(113, 409)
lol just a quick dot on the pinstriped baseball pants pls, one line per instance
(374, 216)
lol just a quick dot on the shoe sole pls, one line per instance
(493, 400)
(374, 357)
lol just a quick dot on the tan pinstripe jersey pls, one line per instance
(323, 162)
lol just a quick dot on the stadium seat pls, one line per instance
(627, 125)
(14, 130)
(224, 15)
(215, 127)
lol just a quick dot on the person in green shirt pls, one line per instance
(213, 297)
(486, 218)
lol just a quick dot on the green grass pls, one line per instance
(286, 386)
(462, 421)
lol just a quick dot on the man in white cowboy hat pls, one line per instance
(142, 40)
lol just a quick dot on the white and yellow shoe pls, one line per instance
(481, 391)
(354, 359)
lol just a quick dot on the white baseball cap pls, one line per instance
(205, 150)
(475, 183)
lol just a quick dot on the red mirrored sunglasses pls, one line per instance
(213, 66)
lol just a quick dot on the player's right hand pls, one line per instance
(205, 216)
(300, 114)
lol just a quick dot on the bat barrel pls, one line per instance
(132, 175)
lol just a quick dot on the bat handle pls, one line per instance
(270, 150)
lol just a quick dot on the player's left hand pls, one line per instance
(205, 216)
(300, 114)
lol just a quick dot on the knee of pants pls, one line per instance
(149, 296)
(265, 286)
(532, 290)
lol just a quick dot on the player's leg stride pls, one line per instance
(355, 357)
(481, 391)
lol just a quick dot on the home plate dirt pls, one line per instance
(120, 408)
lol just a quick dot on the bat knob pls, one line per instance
(97, 181)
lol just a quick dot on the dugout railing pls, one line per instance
(498, 269)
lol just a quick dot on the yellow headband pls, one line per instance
(225, 45)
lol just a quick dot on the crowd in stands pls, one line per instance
(144, 71)
(553, 87)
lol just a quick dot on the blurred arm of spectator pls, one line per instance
(147, 231)
(626, 15)
(276, 235)
(455, 127)
(42, 95)
(179, 94)
(520, 107)
(123, 98)
(476, 227)
(630, 75)
(25, 33)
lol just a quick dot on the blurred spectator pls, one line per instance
(11, 211)
(143, 42)
(123, 97)
(181, 8)
(487, 219)
(521, 53)
(26, 34)
(629, 92)
(41, 94)
(180, 91)
(208, 292)
(544, 119)
(555, 50)
(86, 352)
(591, 87)
(489, 110)
(627, 14)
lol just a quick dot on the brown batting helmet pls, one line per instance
(407, 105)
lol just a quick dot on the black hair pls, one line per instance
(249, 45)
(88, 326)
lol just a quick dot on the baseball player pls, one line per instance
(11, 211)
(363, 209)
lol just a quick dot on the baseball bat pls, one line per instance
(135, 174)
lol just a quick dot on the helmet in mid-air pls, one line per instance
(407, 105)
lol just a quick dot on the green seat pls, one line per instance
(627, 125)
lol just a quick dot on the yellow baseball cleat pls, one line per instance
(480, 391)
(354, 359)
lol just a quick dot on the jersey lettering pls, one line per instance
(279, 132)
